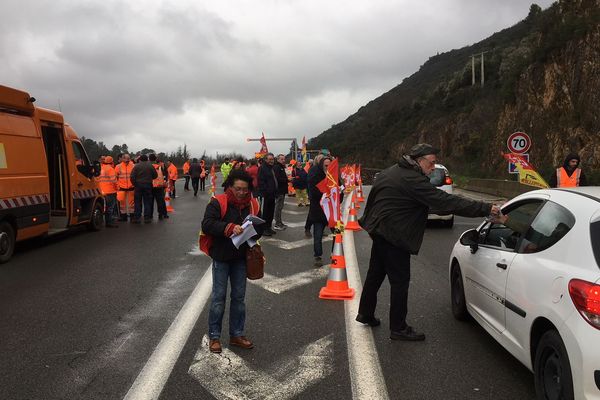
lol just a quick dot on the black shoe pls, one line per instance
(318, 262)
(147, 220)
(160, 217)
(165, 216)
(407, 333)
(112, 225)
(134, 221)
(123, 218)
(371, 321)
(268, 232)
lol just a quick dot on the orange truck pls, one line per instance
(47, 182)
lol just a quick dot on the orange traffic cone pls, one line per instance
(168, 201)
(352, 224)
(360, 197)
(355, 203)
(337, 282)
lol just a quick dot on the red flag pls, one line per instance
(330, 201)
(263, 147)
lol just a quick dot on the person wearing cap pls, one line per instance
(395, 218)
(569, 175)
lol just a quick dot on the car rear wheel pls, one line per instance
(553, 379)
(7, 241)
(97, 219)
(457, 295)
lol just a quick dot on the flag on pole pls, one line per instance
(527, 174)
(330, 201)
(304, 154)
(263, 147)
(213, 181)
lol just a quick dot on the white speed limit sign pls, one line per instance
(519, 142)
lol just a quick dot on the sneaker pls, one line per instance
(408, 334)
(318, 262)
(278, 227)
(371, 321)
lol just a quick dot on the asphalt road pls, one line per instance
(81, 315)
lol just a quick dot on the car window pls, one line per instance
(507, 237)
(549, 226)
(437, 177)
(80, 156)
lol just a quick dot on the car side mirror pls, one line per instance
(95, 169)
(470, 238)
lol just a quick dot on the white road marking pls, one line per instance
(293, 212)
(295, 224)
(153, 377)
(278, 285)
(365, 370)
(227, 376)
(196, 251)
(285, 245)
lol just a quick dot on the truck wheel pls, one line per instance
(552, 371)
(97, 219)
(7, 241)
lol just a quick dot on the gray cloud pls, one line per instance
(158, 74)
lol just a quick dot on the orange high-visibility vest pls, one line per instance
(159, 181)
(107, 180)
(172, 172)
(123, 174)
(564, 180)
(186, 168)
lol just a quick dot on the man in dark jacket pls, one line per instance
(570, 174)
(395, 217)
(267, 187)
(141, 177)
(195, 172)
(282, 189)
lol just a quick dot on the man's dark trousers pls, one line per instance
(158, 193)
(387, 259)
(268, 210)
(143, 194)
(195, 185)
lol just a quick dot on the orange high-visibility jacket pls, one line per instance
(107, 180)
(123, 174)
(172, 172)
(159, 181)
(564, 180)
(186, 168)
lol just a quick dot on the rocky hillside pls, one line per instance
(542, 76)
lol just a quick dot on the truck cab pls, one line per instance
(47, 182)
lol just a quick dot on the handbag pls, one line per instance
(255, 262)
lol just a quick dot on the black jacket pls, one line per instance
(143, 173)
(282, 180)
(315, 211)
(299, 178)
(212, 224)
(195, 170)
(399, 202)
(267, 182)
(553, 181)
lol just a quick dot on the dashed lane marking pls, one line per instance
(278, 285)
(153, 377)
(227, 376)
(291, 212)
(285, 245)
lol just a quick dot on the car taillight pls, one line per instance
(448, 181)
(586, 298)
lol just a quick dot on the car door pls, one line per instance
(485, 280)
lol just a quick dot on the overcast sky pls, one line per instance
(210, 74)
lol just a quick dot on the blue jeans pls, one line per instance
(143, 195)
(110, 213)
(318, 228)
(235, 271)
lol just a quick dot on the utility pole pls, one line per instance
(473, 70)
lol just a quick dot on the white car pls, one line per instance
(534, 285)
(441, 179)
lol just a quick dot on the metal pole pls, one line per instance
(482, 71)
(473, 70)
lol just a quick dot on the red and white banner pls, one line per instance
(263, 147)
(330, 201)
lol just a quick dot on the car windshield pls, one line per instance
(437, 177)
